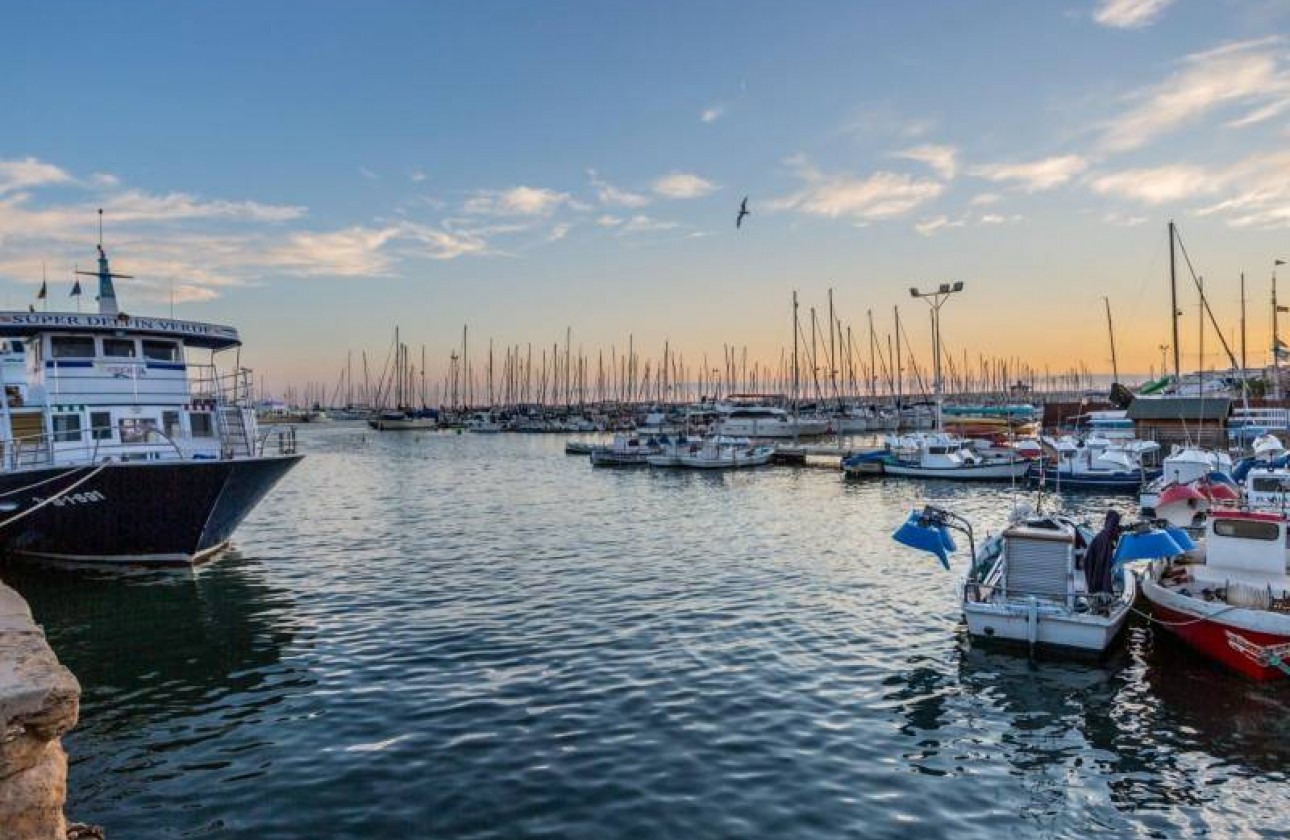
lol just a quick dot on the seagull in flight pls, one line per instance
(743, 211)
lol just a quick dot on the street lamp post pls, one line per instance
(935, 300)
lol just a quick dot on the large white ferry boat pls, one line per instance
(127, 439)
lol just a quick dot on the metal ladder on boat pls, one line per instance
(232, 432)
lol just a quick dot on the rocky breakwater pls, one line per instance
(39, 701)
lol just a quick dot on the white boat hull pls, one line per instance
(1049, 624)
(966, 472)
(772, 428)
(759, 458)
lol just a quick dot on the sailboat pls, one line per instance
(401, 416)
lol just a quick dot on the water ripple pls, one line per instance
(460, 636)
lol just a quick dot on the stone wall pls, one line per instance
(39, 701)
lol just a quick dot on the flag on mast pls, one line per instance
(76, 289)
(44, 290)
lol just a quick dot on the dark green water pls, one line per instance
(457, 636)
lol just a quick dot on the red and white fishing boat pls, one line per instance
(1229, 598)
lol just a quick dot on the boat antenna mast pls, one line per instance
(1115, 368)
(107, 292)
(1173, 298)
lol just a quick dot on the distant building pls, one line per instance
(1182, 420)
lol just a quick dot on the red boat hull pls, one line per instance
(1215, 639)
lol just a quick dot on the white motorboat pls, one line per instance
(1034, 583)
(483, 423)
(724, 453)
(943, 456)
(1185, 465)
(755, 421)
(1096, 462)
(625, 451)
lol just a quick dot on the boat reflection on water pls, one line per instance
(166, 658)
(1243, 723)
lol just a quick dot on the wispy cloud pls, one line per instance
(646, 224)
(928, 227)
(559, 232)
(368, 174)
(1159, 184)
(614, 196)
(942, 159)
(935, 224)
(29, 172)
(880, 195)
(683, 185)
(1253, 192)
(200, 245)
(351, 252)
(1033, 176)
(712, 114)
(609, 221)
(517, 201)
(985, 199)
(135, 205)
(1129, 14)
(417, 176)
(1253, 75)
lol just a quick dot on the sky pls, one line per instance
(316, 173)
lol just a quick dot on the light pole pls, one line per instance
(935, 300)
(1276, 341)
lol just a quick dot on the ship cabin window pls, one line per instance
(67, 428)
(160, 351)
(119, 348)
(170, 423)
(71, 347)
(138, 430)
(1246, 529)
(1271, 484)
(200, 423)
(101, 425)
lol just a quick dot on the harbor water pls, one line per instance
(475, 636)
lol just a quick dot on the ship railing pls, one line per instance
(207, 383)
(39, 450)
(1090, 602)
(276, 440)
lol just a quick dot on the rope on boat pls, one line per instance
(60, 494)
(34, 485)
(1163, 623)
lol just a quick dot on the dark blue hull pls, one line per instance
(1128, 482)
(155, 512)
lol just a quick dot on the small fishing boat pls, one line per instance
(625, 451)
(483, 423)
(1187, 465)
(1095, 463)
(724, 453)
(671, 449)
(1229, 598)
(403, 420)
(579, 447)
(1044, 581)
(941, 456)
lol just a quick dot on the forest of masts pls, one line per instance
(829, 362)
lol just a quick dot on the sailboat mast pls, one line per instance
(900, 371)
(1110, 329)
(795, 370)
(1173, 299)
(1244, 366)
